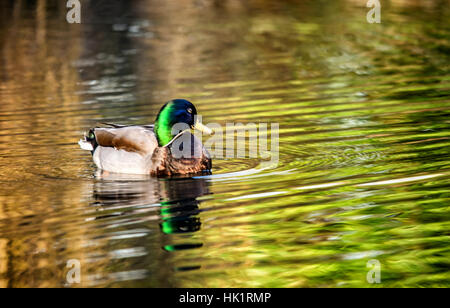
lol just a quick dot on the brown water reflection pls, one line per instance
(364, 137)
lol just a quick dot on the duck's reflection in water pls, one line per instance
(145, 203)
(176, 198)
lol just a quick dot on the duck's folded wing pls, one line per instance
(148, 126)
(138, 139)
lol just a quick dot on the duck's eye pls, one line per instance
(189, 110)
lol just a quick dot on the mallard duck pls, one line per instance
(152, 149)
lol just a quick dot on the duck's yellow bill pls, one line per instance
(206, 130)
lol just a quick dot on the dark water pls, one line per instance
(364, 162)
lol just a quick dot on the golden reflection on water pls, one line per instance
(363, 113)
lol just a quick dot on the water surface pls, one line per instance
(364, 162)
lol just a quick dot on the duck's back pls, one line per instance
(127, 149)
(138, 139)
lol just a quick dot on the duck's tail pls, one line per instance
(89, 143)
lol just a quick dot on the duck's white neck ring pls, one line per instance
(173, 139)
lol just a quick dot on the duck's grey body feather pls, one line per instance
(122, 161)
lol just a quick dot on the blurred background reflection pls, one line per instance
(364, 143)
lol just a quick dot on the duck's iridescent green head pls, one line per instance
(174, 112)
